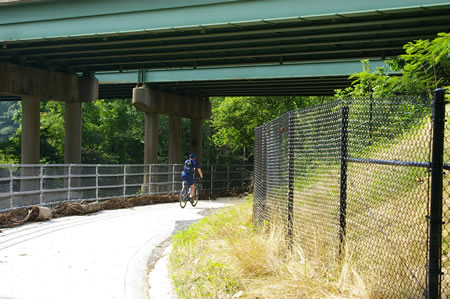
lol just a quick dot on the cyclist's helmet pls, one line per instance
(192, 156)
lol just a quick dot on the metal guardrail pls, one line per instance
(49, 184)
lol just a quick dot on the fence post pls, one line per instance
(150, 180)
(435, 250)
(242, 176)
(41, 183)
(69, 182)
(343, 182)
(11, 187)
(124, 181)
(173, 179)
(212, 176)
(291, 159)
(370, 118)
(96, 182)
(228, 177)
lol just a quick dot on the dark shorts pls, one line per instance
(187, 177)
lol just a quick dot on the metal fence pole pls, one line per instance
(291, 168)
(41, 183)
(242, 176)
(150, 180)
(228, 178)
(212, 175)
(435, 249)
(173, 179)
(370, 118)
(343, 182)
(69, 182)
(11, 187)
(124, 180)
(96, 182)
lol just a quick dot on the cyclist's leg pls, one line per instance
(192, 191)
(190, 179)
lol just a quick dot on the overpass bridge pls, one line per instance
(191, 50)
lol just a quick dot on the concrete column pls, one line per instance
(30, 151)
(151, 138)
(174, 139)
(72, 142)
(197, 138)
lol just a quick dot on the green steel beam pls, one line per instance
(63, 19)
(139, 60)
(158, 48)
(189, 36)
(305, 70)
(227, 51)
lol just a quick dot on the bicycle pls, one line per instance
(184, 195)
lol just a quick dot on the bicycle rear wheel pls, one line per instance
(182, 197)
(194, 201)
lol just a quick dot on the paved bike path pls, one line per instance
(102, 255)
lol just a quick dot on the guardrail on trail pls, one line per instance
(48, 184)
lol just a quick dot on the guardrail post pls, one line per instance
(124, 181)
(41, 183)
(96, 182)
(149, 188)
(343, 182)
(435, 245)
(228, 178)
(212, 176)
(173, 179)
(242, 176)
(291, 169)
(11, 187)
(69, 182)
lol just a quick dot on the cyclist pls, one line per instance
(190, 165)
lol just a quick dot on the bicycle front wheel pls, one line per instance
(182, 197)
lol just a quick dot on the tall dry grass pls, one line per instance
(225, 255)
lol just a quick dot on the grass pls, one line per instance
(225, 255)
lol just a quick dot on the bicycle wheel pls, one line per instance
(182, 197)
(194, 201)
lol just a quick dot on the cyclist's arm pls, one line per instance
(200, 172)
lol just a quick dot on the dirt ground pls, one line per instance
(20, 216)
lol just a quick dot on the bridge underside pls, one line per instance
(321, 86)
(200, 39)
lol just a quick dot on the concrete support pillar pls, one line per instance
(72, 142)
(30, 147)
(197, 138)
(174, 139)
(151, 138)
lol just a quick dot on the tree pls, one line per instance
(234, 119)
(113, 132)
(424, 67)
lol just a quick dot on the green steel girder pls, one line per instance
(64, 18)
(285, 71)
(294, 79)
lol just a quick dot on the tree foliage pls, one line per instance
(424, 67)
(234, 119)
(113, 132)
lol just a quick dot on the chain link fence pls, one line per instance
(26, 185)
(353, 178)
